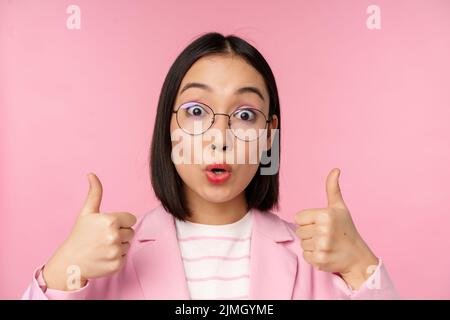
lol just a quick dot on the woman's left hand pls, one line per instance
(330, 240)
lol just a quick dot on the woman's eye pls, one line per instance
(245, 115)
(196, 111)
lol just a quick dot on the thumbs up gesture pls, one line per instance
(329, 238)
(97, 244)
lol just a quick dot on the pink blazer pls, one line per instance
(154, 268)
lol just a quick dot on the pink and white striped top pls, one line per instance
(216, 258)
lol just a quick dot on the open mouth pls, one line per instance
(218, 168)
(218, 173)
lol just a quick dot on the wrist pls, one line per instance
(364, 264)
(55, 272)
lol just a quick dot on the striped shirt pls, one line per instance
(216, 258)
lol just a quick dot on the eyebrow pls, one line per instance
(208, 88)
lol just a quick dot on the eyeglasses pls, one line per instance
(246, 123)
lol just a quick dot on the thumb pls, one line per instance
(94, 197)
(334, 194)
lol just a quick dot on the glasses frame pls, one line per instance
(223, 114)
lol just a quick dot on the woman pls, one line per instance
(214, 236)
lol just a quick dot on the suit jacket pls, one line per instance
(154, 267)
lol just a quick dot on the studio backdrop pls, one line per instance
(364, 86)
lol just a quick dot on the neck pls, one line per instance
(206, 212)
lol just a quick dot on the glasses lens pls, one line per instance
(194, 117)
(248, 123)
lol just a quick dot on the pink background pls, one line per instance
(375, 103)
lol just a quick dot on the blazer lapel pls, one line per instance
(160, 270)
(273, 268)
(158, 263)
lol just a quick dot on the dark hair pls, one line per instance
(262, 192)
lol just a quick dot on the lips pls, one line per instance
(218, 172)
(218, 167)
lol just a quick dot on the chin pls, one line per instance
(217, 194)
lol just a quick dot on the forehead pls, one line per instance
(225, 74)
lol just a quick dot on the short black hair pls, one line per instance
(262, 192)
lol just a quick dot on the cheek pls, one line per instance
(247, 152)
(185, 171)
(188, 149)
(243, 175)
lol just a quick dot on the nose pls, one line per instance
(214, 147)
(221, 123)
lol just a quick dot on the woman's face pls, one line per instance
(223, 75)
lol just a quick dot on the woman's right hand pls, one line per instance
(96, 246)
